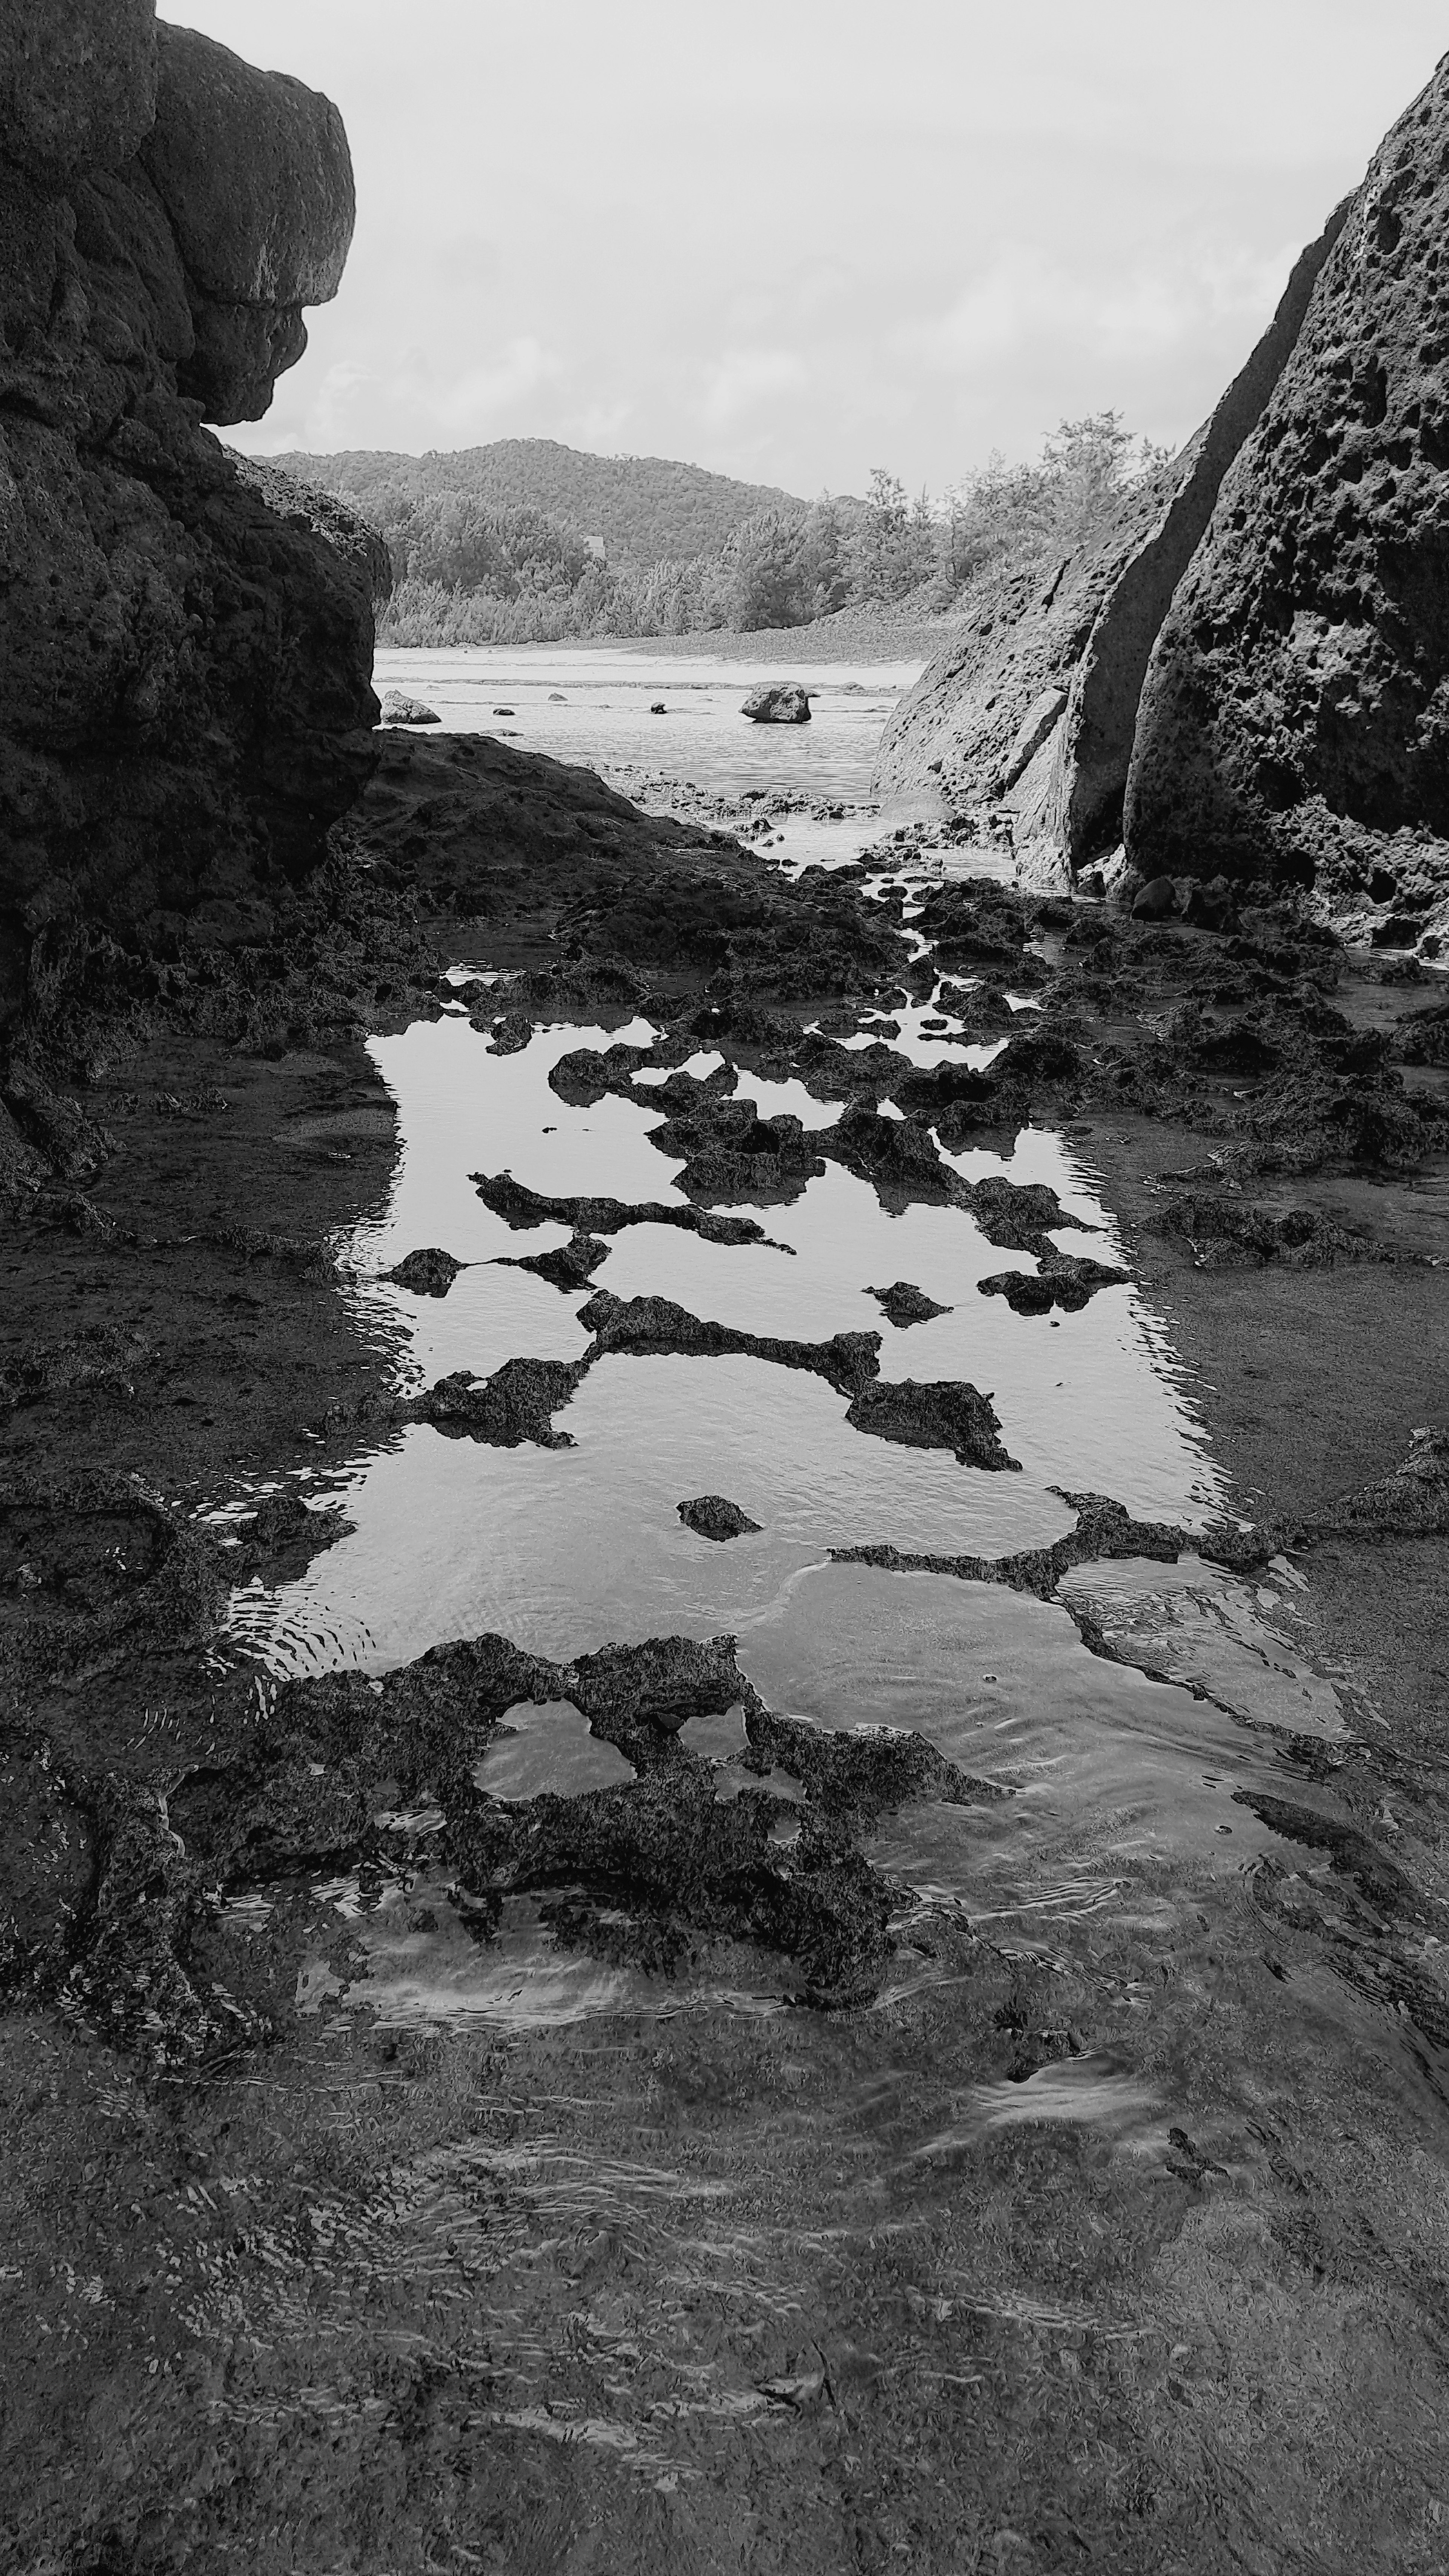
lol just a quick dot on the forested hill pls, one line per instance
(529, 542)
(642, 509)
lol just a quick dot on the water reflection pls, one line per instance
(1121, 1767)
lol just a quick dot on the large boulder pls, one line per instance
(185, 638)
(777, 702)
(1295, 717)
(256, 179)
(1033, 705)
(77, 84)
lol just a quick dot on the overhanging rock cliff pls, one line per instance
(185, 639)
(1035, 704)
(1295, 718)
(1249, 676)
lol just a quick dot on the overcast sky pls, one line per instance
(795, 239)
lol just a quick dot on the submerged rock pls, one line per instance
(712, 1516)
(777, 702)
(903, 1304)
(947, 1415)
(570, 1267)
(1066, 1279)
(185, 698)
(518, 1205)
(511, 1034)
(517, 1403)
(428, 1273)
(649, 1327)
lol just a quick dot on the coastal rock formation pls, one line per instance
(1035, 703)
(777, 702)
(185, 646)
(714, 1516)
(1295, 720)
(399, 709)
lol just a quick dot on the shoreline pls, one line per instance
(831, 640)
(180, 1318)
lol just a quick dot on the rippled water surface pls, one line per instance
(1121, 1767)
(594, 704)
(1113, 1723)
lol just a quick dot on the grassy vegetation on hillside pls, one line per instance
(638, 546)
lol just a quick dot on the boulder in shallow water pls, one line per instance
(905, 1304)
(429, 1272)
(777, 702)
(714, 1516)
(397, 709)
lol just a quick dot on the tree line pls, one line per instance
(466, 572)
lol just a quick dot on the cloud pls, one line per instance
(1154, 308)
(743, 380)
(479, 399)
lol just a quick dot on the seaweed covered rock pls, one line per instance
(1295, 718)
(185, 651)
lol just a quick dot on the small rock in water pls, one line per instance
(777, 702)
(659, 708)
(556, 698)
(428, 1273)
(511, 1033)
(712, 1516)
(905, 1304)
(400, 710)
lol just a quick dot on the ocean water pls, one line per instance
(592, 704)
(1123, 1761)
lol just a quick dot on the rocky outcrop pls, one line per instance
(185, 638)
(774, 702)
(1035, 704)
(256, 179)
(1295, 719)
(399, 709)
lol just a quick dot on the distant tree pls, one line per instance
(825, 582)
(767, 583)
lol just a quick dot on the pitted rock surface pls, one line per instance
(185, 703)
(1035, 702)
(1296, 714)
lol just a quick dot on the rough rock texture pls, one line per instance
(185, 647)
(254, 174)
(714, 1516)
(904, 1304)
(429, 1272)
(1036, 701)
(399, 709)
(1295, 718)
(776, 702)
